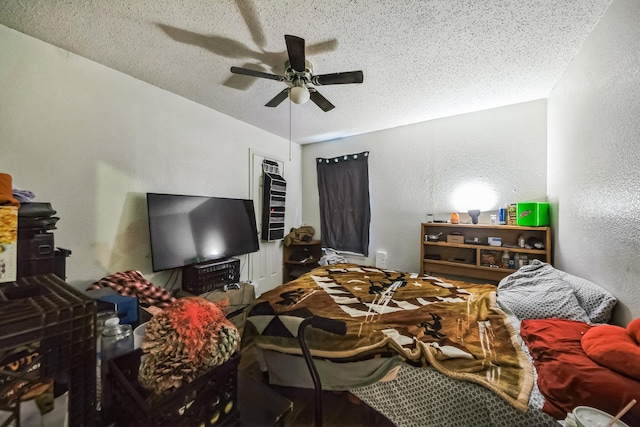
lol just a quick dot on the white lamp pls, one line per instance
(299, 94)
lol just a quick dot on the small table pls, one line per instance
(259, 404)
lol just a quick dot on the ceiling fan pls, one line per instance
(300, 78)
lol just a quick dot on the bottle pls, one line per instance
(521, 241)
(516, 261)
(101, 318)
(116, 340)
(502, 216)
(505, 259)
(522, 261)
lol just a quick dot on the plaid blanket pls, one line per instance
(132, 283)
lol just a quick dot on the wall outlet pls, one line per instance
(381, 259)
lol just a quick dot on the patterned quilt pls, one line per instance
(455, 327)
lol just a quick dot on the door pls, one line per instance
(265, 266)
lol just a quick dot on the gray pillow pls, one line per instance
(536, 291)
(595, 300)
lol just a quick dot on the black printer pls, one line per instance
(37, 253)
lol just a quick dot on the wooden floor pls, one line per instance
(340, 409)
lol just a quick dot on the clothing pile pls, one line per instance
(298, 235)
(331, 257)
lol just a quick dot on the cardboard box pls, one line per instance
(126, 306)
(455, 238)
(512, 214)
(108, 299)
(8, 243)
(533, 214)
(494, 241)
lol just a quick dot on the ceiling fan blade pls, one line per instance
(339, 78)
(321, 101)
(295, 49)
(254, 73)
(278, 98)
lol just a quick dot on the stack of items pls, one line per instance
(512, 214)
(36, 250)
(8, 229)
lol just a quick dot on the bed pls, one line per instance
(425, 350)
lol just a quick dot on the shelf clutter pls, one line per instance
(481, 251)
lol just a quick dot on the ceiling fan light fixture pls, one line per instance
(299, 94)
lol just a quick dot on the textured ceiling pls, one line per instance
(422, 59)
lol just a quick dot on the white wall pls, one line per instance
(416, 169)
(92, 141)
(594, 159)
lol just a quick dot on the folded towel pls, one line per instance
(23, 196)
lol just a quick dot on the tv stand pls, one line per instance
(210, 275)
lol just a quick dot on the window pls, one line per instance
(345, 213)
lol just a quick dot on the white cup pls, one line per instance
(138, 335)
(587, 416)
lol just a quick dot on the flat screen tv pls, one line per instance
(187, 230)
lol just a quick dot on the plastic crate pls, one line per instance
(533, 214)
(56, 324)
(210, 400)
(206, 277)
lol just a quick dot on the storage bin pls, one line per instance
(210, 400)
(54, 338)
(455, 238)
(533, 214)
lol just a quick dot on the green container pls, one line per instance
(533, 214)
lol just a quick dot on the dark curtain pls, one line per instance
(345, 213)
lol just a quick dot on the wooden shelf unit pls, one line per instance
(465, 259)
(300, 258)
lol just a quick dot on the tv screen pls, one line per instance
(188, 230)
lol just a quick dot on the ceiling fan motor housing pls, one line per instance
(304, 76)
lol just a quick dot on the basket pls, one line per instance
(206, 277)
(55, 340)
(210, 400)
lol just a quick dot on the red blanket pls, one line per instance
(567, 377)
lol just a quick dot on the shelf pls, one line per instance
(431, 250)
(467, 265)
(292, 269)
(305, 262)
(488, 247)
(484, 226)
(309, 243)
